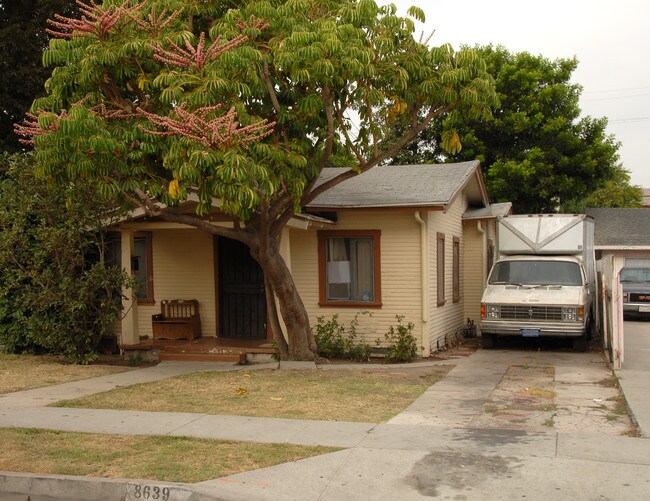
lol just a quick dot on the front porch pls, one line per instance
(204, 349)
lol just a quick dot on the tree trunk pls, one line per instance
(302, 345)
(272, 312)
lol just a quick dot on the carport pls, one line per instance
(622, 237)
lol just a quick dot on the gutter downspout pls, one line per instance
(481, 230)
(424, 263)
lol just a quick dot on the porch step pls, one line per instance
(204, 357)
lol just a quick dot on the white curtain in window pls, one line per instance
(362, 285)
(338, 262)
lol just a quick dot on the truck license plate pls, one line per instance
(644, 308)
(530, 332)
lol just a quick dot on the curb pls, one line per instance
(39, 487)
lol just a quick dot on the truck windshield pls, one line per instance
(536, 273)
(636, 275)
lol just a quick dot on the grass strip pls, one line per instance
(171, 459)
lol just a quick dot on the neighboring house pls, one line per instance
(412, 240)
(646, 197)
(622, 238)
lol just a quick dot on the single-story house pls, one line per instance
(412, 240)
(622, 238)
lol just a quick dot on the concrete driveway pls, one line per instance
(637, 345)
(634, 377)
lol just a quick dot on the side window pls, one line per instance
(141, 267)
(141, 263)
(349, 268)
(440, 266)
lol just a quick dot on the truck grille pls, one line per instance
(514, 312)
(640, 298)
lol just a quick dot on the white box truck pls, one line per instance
(543, 282)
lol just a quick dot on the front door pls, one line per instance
(242, 301)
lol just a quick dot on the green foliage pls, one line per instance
(55, 295)
(302, 68)
(333, 342)
(402, 345)
(535, 150)
(615, 192)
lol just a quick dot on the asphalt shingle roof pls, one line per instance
(621, 227)
(396, 186)
(492, 211)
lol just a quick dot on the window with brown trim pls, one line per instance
(440, 266)
(456, 271)
(349, 272)
(141, 263)
(142, 266)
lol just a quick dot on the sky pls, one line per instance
(610, 39)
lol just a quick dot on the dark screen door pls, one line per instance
(242, 301)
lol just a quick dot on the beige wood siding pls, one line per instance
(183, 268)
(474, 273)
(446, 319)
(400, 271)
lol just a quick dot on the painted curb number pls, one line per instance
(148, 492)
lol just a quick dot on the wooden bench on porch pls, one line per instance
(178, 319)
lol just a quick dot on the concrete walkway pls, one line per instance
(429, 450)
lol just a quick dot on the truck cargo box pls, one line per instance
(558, 234)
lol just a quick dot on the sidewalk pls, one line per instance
(426, 451)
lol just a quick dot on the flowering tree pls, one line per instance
(159, 99)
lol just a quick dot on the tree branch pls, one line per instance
(266, 78)
(329, 138)
(348, 140)
(399, 144)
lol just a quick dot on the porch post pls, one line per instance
(130, 333)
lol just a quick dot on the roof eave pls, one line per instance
(328, 208)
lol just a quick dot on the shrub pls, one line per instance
(333, 342)
(402, 345)
(56, 296)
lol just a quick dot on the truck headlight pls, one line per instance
(493, 311)
(569, 314)
(626, 297)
